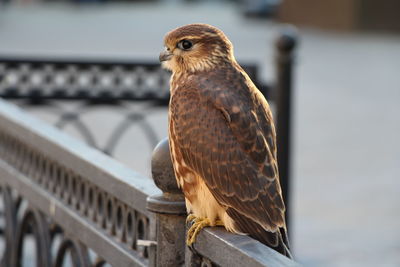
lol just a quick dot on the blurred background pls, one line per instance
(345, 204)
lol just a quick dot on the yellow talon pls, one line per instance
(198, 224)
(190, 218)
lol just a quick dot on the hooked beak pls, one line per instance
(165, 55)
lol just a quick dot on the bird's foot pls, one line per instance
(190, 219)
(198, 223)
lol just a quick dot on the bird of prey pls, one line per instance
(222, 139)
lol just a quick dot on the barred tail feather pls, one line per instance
(276, 240)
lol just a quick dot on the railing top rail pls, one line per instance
(238, 250)
(105, 172)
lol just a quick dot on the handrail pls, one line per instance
(237, 250)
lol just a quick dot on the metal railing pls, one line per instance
(69, 196)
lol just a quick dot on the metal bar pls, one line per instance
(72, 222)
(285, 47)
(237, 250)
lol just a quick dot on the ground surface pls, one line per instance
(346, 186)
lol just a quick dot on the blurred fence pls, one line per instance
(46, 83)
(73, 203)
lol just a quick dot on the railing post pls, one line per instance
(285, 56)
(169, 208)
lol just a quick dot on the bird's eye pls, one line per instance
(185, 44)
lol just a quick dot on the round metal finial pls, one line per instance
(288, 39)
(162, 169)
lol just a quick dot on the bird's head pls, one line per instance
(195, 47)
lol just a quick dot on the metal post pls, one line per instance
(285, 47)
(169, 208)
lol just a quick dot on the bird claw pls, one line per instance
(196, 224)
(190, 219)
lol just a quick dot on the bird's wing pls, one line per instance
(228, 139)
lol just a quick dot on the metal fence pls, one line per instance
(68, 197)
(74, 204)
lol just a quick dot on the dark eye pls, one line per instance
(185, 44)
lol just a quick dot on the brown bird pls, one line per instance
(222, 139)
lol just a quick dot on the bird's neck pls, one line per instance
(185, 76)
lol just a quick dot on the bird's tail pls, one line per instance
(284, 241)
(276, 240)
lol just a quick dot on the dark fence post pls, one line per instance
(169, 208)
(285, 56)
